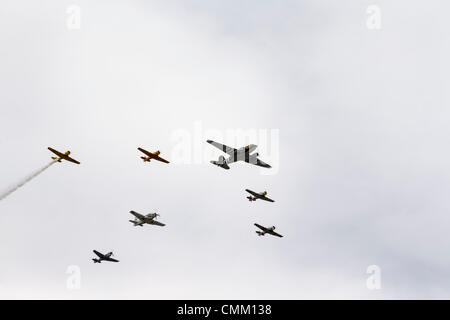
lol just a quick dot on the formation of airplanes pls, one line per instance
(242, 154)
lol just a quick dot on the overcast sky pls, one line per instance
(353, 120)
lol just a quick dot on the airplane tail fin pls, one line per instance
(260, 233)
(96, 260)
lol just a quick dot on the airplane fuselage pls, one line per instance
(243, 154)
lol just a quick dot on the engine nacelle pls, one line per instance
(273, 228)
(157, 152)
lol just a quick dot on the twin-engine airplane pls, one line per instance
(267, 230)
(103, 257)
(242, 154)
(62, 156)
(152, 155)
(256, 195)
(140, 219)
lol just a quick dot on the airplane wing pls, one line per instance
(254, 160)
(110, 259)
(70, 159)
(253, 193)
(146, 152)
(261, 227)
(275, 234)
(267, 199)
(101, 256)
(160, 159)
(59, 154)
(262, 164)
(222, 147)
(157, 223)
(138, 215)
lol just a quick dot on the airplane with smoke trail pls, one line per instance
(62, 156)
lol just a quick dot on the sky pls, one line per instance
(351, 115)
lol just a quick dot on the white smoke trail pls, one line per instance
(34, 175)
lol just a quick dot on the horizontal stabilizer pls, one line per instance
(222, 165)
(135, 223)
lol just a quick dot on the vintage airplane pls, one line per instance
(103, 257)
(140, 219)
(242, 154)
(267, 230)
(62, 156)
(256, 195)
(152, 155)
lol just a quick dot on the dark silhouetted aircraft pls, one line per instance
(103, 257)
(267, 230)
(256, 195)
